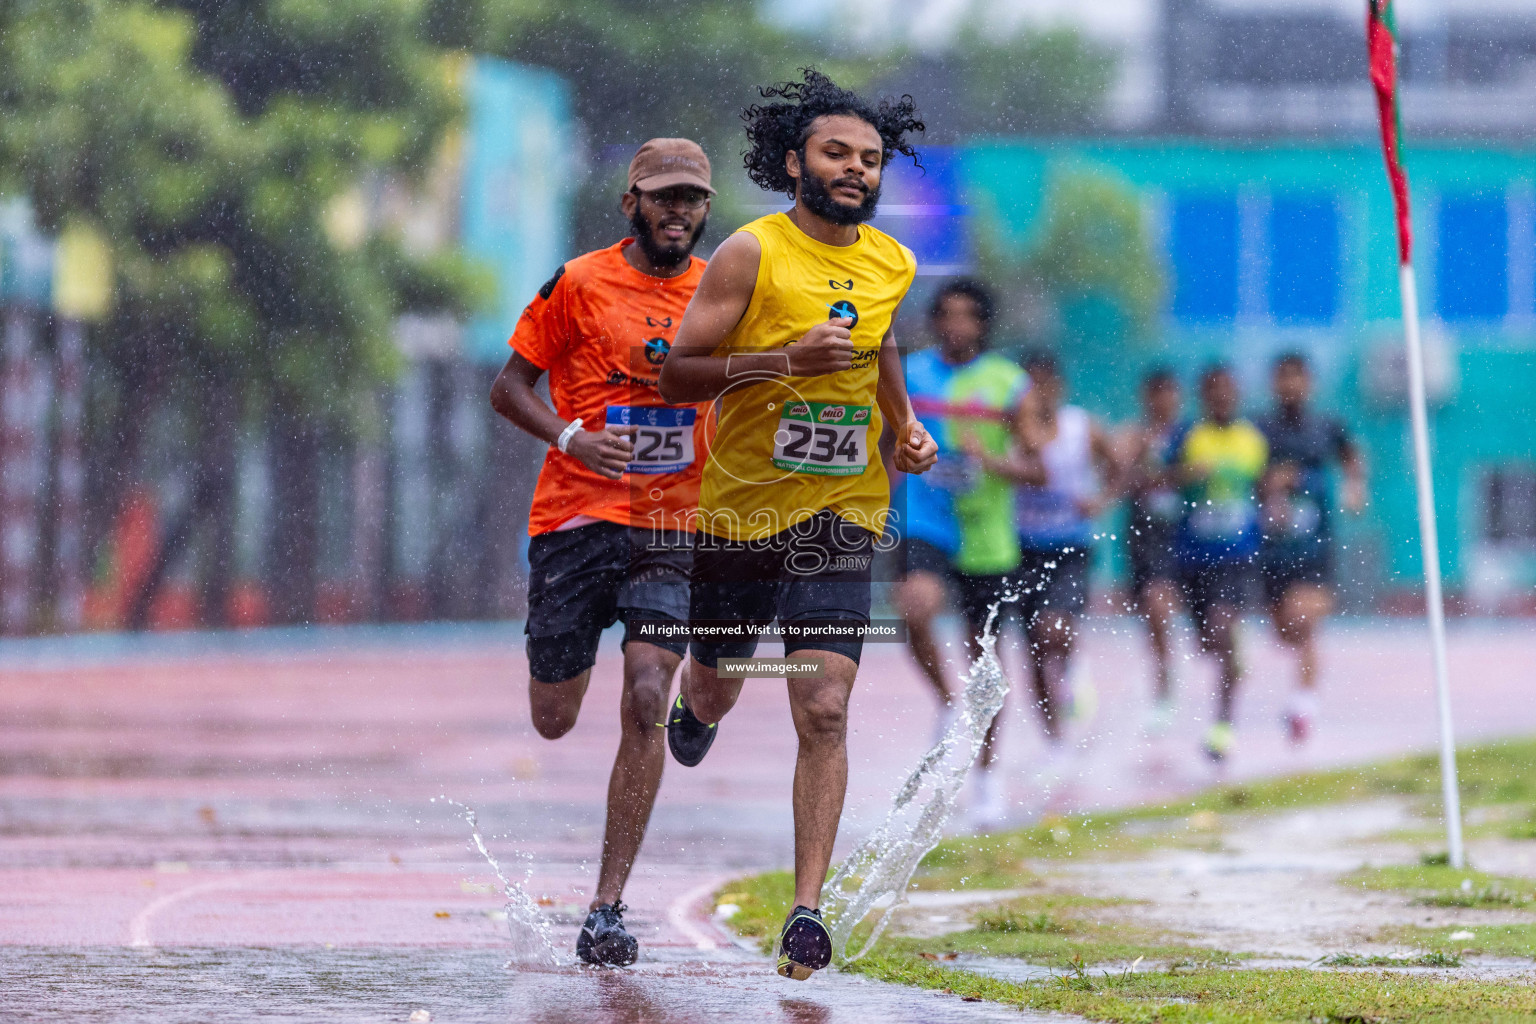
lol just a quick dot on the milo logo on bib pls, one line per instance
(822, 438)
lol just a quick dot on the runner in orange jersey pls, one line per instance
(611, 512)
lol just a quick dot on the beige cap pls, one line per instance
(663, 163)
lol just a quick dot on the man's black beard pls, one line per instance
(663, 257)
(817, 196)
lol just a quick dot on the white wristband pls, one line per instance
(569, 432)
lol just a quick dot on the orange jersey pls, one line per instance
(601, 329)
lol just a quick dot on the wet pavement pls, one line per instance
(243, 828)
(470, 986)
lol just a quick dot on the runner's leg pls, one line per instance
(707, 695)
(977, 596)
(919, 599)
(1158, 601)
(1217, 637)
(819, 707)
(1050, 646)
(1297, 615)
(637, 767)
(554, 706)
(573, 582)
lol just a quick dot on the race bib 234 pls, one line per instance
(824, 438)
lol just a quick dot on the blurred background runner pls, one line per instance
(1153, 512)
(955, 520)
(1218, 461)
(1296, 557)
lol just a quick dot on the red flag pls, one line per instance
(1381, 44)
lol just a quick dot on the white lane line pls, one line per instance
(679, 914)
(138, 928)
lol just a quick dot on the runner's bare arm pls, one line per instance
(887, 447)
(1021, 463)
(1132, 442)
(1112, 476)
(605, 451)
(1114, 471)
(696, 371)
(915, 450)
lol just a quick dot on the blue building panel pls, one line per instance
(1203, 248)
(1303, 258)
(924, 208)
(517, 190)
(1472, 257)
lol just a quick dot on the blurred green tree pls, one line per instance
(207, 141)
(1087, 281)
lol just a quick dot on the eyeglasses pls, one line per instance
(667, 198)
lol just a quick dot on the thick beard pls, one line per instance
(817, 196)
(663, 257)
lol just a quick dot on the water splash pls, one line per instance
(881, 866)
(527, 926)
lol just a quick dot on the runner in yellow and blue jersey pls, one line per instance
(1218, 462)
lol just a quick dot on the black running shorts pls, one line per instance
(1052, 581)
(817, 571)
(978, 593)
(1150, 555)
(921, 556)
(1212, 584)
(1282, 567)
(582, 581)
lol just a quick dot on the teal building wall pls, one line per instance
(1268, 249)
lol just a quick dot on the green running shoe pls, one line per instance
(1219, 740)
(805, 947)
(687, 737)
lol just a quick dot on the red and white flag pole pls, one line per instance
(1382, 47)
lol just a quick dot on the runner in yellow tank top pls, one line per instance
(790, 329)
(788, 447)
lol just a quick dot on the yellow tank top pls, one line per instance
(787, 448)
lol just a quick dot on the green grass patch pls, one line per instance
(1196, 984)
(1055, 930)
(999, 860)
(1060, 949)
(1440, 885)
(1437, 958)
(1524, 827)
(1215, 996)
(763, 901)
(1491, 774)
(1513, 940)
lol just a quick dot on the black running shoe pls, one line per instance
(804, 945)
(688, 737)
(603, 939)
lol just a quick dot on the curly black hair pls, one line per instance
(773, 129)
